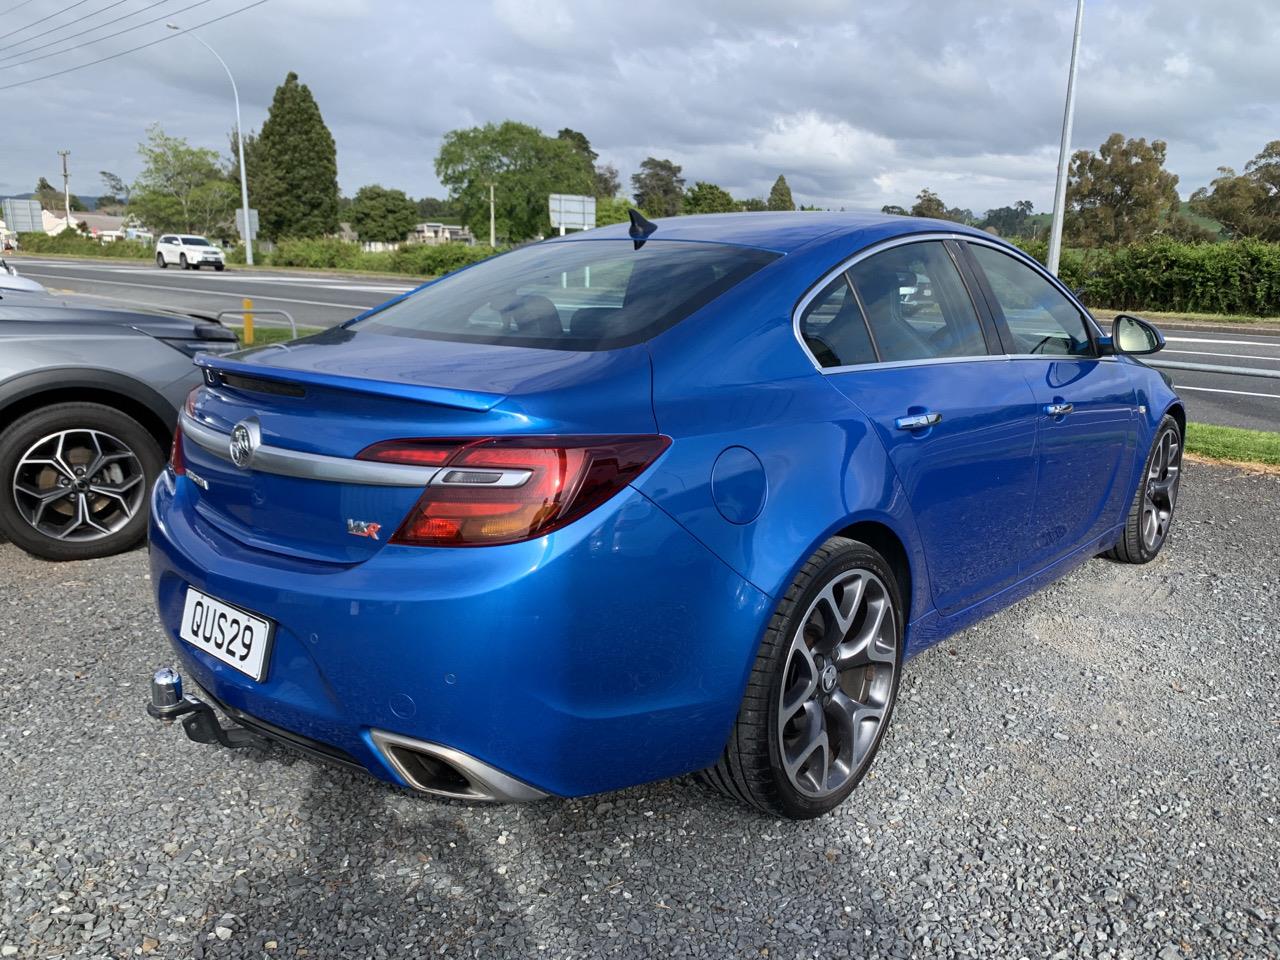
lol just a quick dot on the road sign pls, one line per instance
(253, 223)
(571, 212)
(23, 216)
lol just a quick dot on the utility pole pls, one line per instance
(66, 184)
(1064, 149)
(492, 238)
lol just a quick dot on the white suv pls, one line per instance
(191, 253)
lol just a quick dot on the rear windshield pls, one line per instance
(577, 295)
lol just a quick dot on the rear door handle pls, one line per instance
(1058, 409)
(918, 421)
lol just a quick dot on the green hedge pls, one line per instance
(79, 245)
(419, 260)
(1239, 276)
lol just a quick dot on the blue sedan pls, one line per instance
(651, 499)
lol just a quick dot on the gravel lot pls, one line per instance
(1094, 773)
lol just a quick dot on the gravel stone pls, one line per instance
(1092, 773)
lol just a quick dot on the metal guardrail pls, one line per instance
(1214, 368)
(256, 313)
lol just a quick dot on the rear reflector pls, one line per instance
(504, 490)
(177, 463)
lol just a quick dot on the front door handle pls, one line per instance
(1058, 409)
(918, 421)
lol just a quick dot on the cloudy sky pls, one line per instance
(858, 103)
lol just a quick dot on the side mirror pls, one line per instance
(1134, 336)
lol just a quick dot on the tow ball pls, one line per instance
(199, 721)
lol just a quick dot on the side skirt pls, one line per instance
(933, 627)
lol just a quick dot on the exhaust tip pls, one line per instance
(445, 772)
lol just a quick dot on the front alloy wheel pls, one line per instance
(1150, 516)
(74, 481)
(822, 690)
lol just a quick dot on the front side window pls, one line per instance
(575, 295)
(1040, 318)
(833, 328)
(917, 305)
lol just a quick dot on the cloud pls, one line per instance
(858, 104)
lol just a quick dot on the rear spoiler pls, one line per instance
(475, 400)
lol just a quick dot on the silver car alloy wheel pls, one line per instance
(78, 485)
(837, 682)
(1161, 491)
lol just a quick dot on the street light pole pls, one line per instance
(244, 179)
(1064, 149)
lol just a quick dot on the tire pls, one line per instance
(757, 765)
(219, 267)
(195, 266)
(1146, 526)
(182, 259)
(107, 464)
(161, 262)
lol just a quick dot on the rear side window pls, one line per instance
(917, 306)
(576, 295)
(1040, 318)
(833, 328)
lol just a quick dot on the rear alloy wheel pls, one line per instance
(1151, 513)
(161, 262)
(822, 690)
(74, 481)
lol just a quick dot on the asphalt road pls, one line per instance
(312, 300)
(325, 300)
(1227, 399)
(1093, 773)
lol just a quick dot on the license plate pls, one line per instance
(238, 638)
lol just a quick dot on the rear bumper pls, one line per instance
(610, 653)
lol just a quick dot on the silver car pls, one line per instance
(88, 398)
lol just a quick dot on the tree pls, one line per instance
(579, 142)
(433, 208)
(382, 215)
(929, 204)
(117, 190)
(1014, 221)
(894, 209)
(780, 195)
(658, 187)
(52, 199)
(752, 205)
(182, 188)
(293, 173)
(1247, 205)
(612, 210)
(524, 165)
(708, 198)
(607, 181)
(1121, 193)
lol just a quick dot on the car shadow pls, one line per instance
(379, 871)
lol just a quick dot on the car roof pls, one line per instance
(780, 231)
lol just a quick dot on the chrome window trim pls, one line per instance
(308, 466)
(936, 236)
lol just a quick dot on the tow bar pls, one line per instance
(198, 718)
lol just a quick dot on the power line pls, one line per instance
(55, 42)
(78, 3)
(141, 46)
(63, 26)
(5, 13)
(109, 36)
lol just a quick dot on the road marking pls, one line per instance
(1235, 356)
(213, 293)
(1238, 393)
(1234, 343)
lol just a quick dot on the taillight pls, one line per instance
(177, 463)
(504, 490)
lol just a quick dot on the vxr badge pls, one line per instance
(363, 528)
